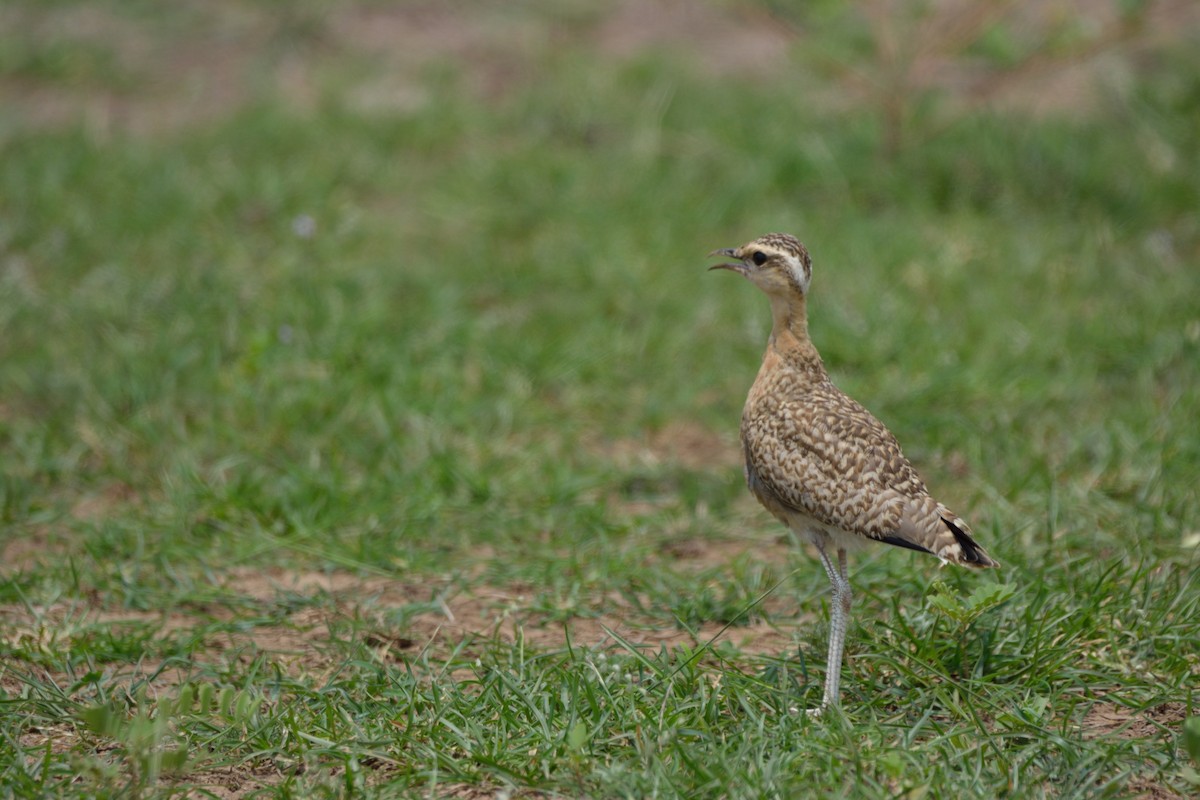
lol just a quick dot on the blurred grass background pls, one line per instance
(419, 292)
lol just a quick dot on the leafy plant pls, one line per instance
(146, 735)
(964, 611)
(1191, 744)
(143, 740)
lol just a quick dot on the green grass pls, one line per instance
(421, 355)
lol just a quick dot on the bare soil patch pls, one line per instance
(61, 737)
(1109, 719)
(443, 615)
(216, 57)
(469, 792)
(232, 783)
(98, 505)
(1150, 789)
(698, 555)
(31, 547)
(399, 621)
(721, 41)
(685, 443)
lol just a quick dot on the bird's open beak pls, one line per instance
(728, 252)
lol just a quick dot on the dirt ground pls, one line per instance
(463, 622)
(152, 77)
(300, 641)
(301, 646)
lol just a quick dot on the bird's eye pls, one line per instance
(759, 258)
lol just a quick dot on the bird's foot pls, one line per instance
(811, 713)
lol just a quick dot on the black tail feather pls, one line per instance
(972, 553)
(900, 541)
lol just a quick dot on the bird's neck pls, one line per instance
(789, 334)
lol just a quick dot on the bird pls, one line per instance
(818, 461)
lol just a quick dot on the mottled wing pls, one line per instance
(825, 456)
(829, 458)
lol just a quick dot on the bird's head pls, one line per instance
(776, 263)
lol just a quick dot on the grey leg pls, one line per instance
(839, 618)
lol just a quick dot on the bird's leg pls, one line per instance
(838, 623)
(839, 618)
